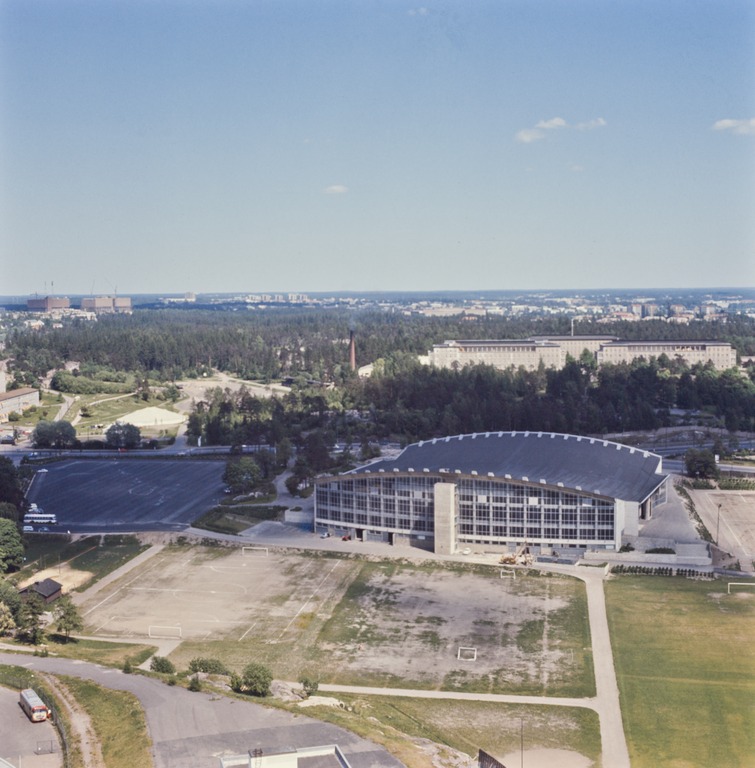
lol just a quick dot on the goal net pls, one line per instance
(255, 551)
(466, 653)
(164, 632)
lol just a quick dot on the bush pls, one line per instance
(209, 666)
(255, 680)
(195, 684)
(309, 685)
(162, 665)
(127, 667)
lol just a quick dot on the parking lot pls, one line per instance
(127, 494)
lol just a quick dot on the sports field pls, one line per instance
(684, 661)
(355, 621)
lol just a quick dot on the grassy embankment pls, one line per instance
(684, 662)
(118, 720)
(237, 518)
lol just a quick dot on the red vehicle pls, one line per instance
(346, 537)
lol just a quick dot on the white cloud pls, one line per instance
(589, 125)
(554, 122)
(335, 189)
(528, 135)
(539, 132)
(741, 127)
(576, 167)
(418, 11)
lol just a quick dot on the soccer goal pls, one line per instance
(466, 653)
(508, 574)
(738, 584)
(165, 632)
(254, 551)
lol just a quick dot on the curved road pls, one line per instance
(192, 730)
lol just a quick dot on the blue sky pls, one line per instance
(316, 145)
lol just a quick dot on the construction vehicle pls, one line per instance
(522, 556)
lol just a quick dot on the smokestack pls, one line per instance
(352, 351)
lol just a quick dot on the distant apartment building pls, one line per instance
(106, 304)
(17, 401)
(721, 354)
(503, 354)
(576, 345)
(47, 303)
(552, 352)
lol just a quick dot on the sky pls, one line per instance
(163, 146)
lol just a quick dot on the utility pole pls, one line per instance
(718, 522)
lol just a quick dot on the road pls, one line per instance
(190, 729)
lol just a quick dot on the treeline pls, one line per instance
(165, 345)
(416, 402)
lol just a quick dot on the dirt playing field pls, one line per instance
(455, 629)
(354, 620)
(69, 577)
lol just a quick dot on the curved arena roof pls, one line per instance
(581, 463)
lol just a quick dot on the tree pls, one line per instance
(8, 511)
(255, 680)
(10, 597)
(10, 482)
(163, 665)
(700, 463)
(54, 434)
(29, 619)
(11, 546)
(7, 623)
(123, 436)
(242, 475)
(67, 617)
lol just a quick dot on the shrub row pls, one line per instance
(644, 570)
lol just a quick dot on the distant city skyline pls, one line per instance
(306, 146)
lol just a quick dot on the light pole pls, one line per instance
(718, 522)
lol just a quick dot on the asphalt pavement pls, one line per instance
(190, 730)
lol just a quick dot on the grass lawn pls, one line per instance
(224, 519)
(684, 661)
(118, 720)
(463, 726)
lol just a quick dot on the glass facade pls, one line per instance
(488, 510)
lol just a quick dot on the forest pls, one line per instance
(166, 345)
(402, 399)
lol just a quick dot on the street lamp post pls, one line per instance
(718, 522)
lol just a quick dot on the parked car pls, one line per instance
(325, 535)
(28, 529)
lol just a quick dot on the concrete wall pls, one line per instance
(445, 518)
(640, 558)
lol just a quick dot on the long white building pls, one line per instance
(552, 352)
(721, 354)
